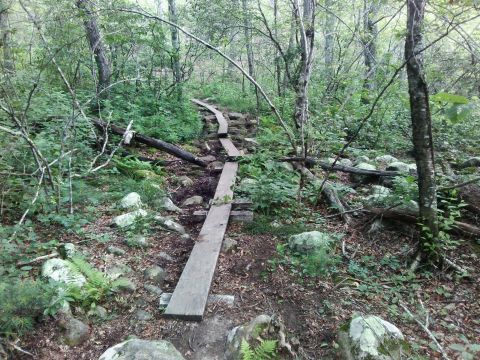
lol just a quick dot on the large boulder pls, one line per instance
(131, 201)
(63, 272)
(137, 349)
(385, 159)
(370, 337)
(398, 166)
(311, 241)
(193, 200)
(155, 274)
(128, 219)
(472, 162)
(247, 332)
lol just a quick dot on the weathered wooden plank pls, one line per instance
(222, 122)
(235, 215)
(191, 293)
(230, 148)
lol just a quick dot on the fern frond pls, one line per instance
(266, 350)
(246, 351)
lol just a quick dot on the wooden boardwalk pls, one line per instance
(190, 297)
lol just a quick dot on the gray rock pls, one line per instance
(185, 180)
(155, 290)
(229, 244)
(363, 166)
(345, 162)
(116, 250)
(193, 200)
(142, 315)
(398, 166)
(128, 219)
(167, 204)
(379, 194)
(362, 159)
(370, 337)
(385, 159)
(208, 158)
(75, 331)
(163, 255)
(137, 349)
(67, 250)
(472, 162)
(308, 242)
(117, 271)
(99, 312)
(215, 166)
(127, 285)
(63, 272)
(236, 115)
(137, 241)
(171, 225)
(131, 201)
(247, 332)
(156, 274)
(410, 207)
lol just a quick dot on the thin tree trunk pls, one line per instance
(96, 44)
(278, 72)
(248, 38)
(421, 127)
(307, 32)
(177, 73)
(329, 41)
(6, 35)
(370, 9)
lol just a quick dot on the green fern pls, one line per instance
(266, 350)
(97, 287)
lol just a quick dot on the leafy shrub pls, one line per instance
(22, 302)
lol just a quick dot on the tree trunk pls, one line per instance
(421, 128)
(5, 33)
(177, 72)
(248, 38)
(278, 72)
(96, 44)
(307, 32)
(329, 41)
(370, 9)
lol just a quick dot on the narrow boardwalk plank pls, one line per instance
(222, 122)
(191, 293)
(230, 148)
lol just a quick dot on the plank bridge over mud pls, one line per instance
(190, 297)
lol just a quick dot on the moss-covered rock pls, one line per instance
(142, 349)
(311, 241)
(369, 337)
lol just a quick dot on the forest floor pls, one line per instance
(369, 279)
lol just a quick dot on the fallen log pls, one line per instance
(343, 168)
(155, 143)
(328, 191)
(412, 218)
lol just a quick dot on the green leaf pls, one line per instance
(449, 98)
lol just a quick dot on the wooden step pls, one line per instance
(222, 122)
(189, 299)
(230, 148)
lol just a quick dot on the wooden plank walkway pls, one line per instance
(230, 148)
(222, 122)
(189, 299)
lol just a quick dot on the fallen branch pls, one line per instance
(343, 168)
(412, 218)
(328, 191)
(155, 143)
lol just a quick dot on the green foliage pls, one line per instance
(22, 303)
(266, 350)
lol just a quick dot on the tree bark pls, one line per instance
(329, 41)
(6, 36)
(306, 24)
(96, 44)
(421, 127)
(248, 38)
(175, 36)
(370, 8)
